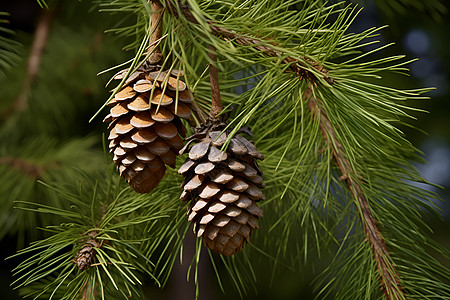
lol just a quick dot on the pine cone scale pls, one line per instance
(141, 120)
(140, 103)
(119, 110)
(142, 86)
(125, 93)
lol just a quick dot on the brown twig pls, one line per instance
(31, 170)
(389, 277)
(216, 101)
(156, 31)
(34, 60)
(298, 67)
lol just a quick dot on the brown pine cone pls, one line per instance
(85, 257)
(146, 134)
(224, 187)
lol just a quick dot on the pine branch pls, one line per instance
(390, 280)
(302, 177)
(97, 246)
(298, 67)
(389, 276)
(41, 158)
(34, 60)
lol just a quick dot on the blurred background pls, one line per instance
(53, 89)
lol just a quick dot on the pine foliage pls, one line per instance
(340, 184)
(9, 48)
(101, 214)
(23, 164)
(43, 138)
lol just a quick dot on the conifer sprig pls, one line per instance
(39, 158)
(96, 250)
(390, 280)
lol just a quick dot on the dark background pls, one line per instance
(417, 34)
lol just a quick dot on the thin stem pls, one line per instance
(389, 277)
(216, 101)
(156, 31)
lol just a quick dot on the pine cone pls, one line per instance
(85, 257)
(224, 187)
(146, 134)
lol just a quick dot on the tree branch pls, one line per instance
(34, 61)
(216, 101)
(389, 277)
(298, 67)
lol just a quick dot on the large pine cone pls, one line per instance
(146, 134)
(224, 187)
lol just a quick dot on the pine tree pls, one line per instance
(339, 182)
